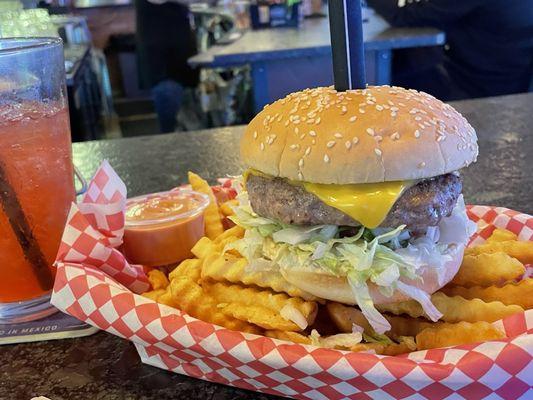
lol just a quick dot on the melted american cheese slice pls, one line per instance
(367, 203)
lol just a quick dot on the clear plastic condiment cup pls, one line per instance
(162, 228)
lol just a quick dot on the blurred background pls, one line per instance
(140, 67)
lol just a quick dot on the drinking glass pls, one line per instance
(36, 173)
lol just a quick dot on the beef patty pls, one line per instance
(420, 206)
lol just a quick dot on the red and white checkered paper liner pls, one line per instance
(91, 286)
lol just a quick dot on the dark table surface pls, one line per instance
(106, 367)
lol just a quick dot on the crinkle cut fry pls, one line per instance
(235, 270)
(157, 279)
(257, 315)
(522, 251)
(455, 309)
(252, 297)
(457, 334)
(345, 316)
(488, 269)
(190, 268)
(520, 293)
(191, 299)
(294, 337)
(212, 217)
(406, 345)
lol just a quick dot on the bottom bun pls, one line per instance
(335, 288)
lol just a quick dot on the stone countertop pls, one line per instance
(310, 39)
(105, 367)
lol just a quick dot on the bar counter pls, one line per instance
(105, 367)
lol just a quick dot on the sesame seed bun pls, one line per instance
(378, 134)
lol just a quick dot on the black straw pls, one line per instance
(20, 226)
(346, 30)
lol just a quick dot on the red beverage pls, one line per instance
(36, 158)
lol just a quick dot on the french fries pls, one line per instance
(213, 221)
(190, 268)
(190, 298)
(157, 279)
(345, 316)
(154, 294)
(501, 235)
(520, 293)
(455, 334)
(294, 337)
(273, 311)
(406, 345)
(488, 269)
(455, 309)
(522, 251)
(219, 267)
(225, 208)
(219, 287)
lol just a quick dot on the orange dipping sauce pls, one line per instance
(162, 228)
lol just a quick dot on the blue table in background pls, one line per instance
(285, 60)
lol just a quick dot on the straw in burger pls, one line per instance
(356, 196)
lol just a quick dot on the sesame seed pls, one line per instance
(280, 118)
(361, 111)
(343, 110)
(311, 121)
(440, 138)
(355, 140)
(422, 126)
(413, 111)
(287, 123)
(296, 130)
(348, 144)
(326, 158)
(338, 135)
(352, 119)
(313, 142)
(390, 103)
(330, 144)
(418, 118)
(370, 131)
(378, 152)
(317, 121)
(422, 164)
(393, 114)
(417, 134)
(294, 147)
(312, 133)
(394, 109)
(379, 108)
(301, 163)
(255, 135)
(395, 136)
(378, 138)
(262, 146)
(308, 151)
(300, 176)
(302, 136)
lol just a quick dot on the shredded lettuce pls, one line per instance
(386, 258)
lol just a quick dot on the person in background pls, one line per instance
(489, 49)
(165, 41)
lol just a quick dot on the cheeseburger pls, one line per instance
(355, 196)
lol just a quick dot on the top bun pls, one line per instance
(378, 134)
